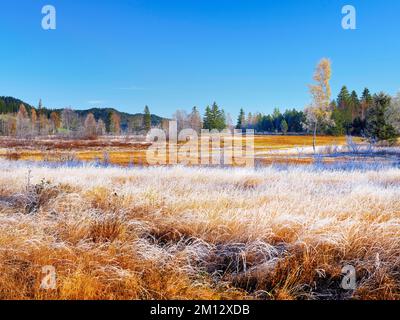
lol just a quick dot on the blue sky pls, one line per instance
(255, 54)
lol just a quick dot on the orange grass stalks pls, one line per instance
(195, 233)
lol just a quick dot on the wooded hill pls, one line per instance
(11, 105)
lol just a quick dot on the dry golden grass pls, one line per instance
(186, 233)
(125, 152)
(286, 142)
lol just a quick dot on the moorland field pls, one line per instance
(273, 232)
(129, 150)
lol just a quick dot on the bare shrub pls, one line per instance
(353, 146)
(39, 195)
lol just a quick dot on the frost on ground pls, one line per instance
(186, 233)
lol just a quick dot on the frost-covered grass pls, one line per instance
(168, 233)
(127, 150)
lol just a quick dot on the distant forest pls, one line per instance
(349, 114)
(18, 118)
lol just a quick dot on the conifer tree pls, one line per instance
(147, 119)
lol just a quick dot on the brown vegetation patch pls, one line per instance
(106, 227)
(65, 144)
(189, 233)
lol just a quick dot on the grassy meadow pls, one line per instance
(196, 233)
(127, 150)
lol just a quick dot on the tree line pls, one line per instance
(374, 116)
(28, 121)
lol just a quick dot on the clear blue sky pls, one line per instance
(255, 54)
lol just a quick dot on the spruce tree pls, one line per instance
(344, 110)
(214, 118)
(241, 120)
(147, 118)
(343, 98)
(207, 118)
(366, 103)
(284, 126)
(354, 105)
(378, 127)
